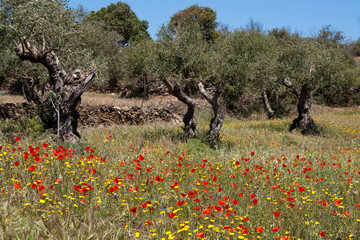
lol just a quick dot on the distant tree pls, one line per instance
(327, 35)
(96, 44)
(204, 17)
(44, 29)
(254, 26)
(280, 34)
(135, 62)
(120, 18)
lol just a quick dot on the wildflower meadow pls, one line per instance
(145, 182)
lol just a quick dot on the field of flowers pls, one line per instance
(144, 182)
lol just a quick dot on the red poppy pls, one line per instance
(200, 234)
(171, 215)
(252, 153)
(252, 195)
(255, 201)
(32, 168)
(322, 234)
(206, 211)
(45, 145)
(337, 202)
(180, 203)
(301, 189)
(16, 185)
(117, 180)
(245, 231)
(275, 229)
(141, 157)
(133, 210)
(17, 163)
(234, 202)
(221, 202)
(259, 229)
(276, 214)
(17, 139)
(33, 185)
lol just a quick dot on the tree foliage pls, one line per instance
(203, 17)
(120, 18)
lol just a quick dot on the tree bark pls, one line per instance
(271, 113)
(286, 82)
(146, 85)
(189, 118)
(65, 92)
(304, 122)
(216, 122)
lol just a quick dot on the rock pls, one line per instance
(95, 116)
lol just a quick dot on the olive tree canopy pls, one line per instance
(43, 32)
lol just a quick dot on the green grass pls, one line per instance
(146, 182)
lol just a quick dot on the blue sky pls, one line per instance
(303, 16)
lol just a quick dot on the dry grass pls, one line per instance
(98, 99)
(11, 99)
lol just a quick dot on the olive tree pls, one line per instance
(178, 62)
(263, 71)
(226, 71)
(44, 32)
(304, 66)
(136, 60)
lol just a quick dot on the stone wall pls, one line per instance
(97, 115)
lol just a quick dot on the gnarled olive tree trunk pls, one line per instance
(189, 118)
(57, 110)
(304, 122)
(271, 113)
(217, 121)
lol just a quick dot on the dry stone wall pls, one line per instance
(97, 115)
